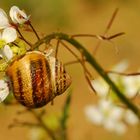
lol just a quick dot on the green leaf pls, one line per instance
(65, 111)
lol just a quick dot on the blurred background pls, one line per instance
(74, 17)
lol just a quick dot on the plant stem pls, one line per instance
(22, 37)
(50, 133)
(34, 30)
(93, 63)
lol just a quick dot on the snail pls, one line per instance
(37, 79)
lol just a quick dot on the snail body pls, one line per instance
(37, 79)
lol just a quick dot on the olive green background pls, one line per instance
(80, 16)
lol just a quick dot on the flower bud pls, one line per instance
(18, 16)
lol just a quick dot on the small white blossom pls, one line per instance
(106, 112)
(101, 87)
(117, 113)
(122, 66)
(131, 118)
(112, 117)
(18, 16)
(7, 52)
(4, 22)
(7, 36)
(4, 90)
(120, 128)
(132, 85)
(91, 111)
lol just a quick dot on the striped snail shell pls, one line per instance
(37, 79)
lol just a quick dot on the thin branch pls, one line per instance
(124, 74)
(111, 20)
(22, 37)
(91, 60)
(115, 35)
(88, 35)
(40, 121)
(107, 29)
(100, 37)
(34, 30)
(18, 123)
(86, 76)
(71, 62)
(76, 57)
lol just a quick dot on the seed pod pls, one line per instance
(37, 79)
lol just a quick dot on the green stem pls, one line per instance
(93, 63)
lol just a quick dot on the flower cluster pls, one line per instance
(108, 112)
(8, 29)
(8, 35)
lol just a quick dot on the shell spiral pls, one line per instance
(37, 79)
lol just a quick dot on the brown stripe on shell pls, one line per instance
(35, 75)
(61, 79)
(19, 75)
(19, 78)
(64, 79)
(56, 78)
(40, 75)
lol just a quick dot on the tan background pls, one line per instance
(81, 16)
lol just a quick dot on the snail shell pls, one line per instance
(37, 79)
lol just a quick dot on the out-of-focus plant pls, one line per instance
(47, 126)
(108, 111)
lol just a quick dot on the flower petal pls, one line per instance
(109, 124)
(94, 115)
(131, 118)
(120, 128)
(7, 52)
(3, 20)
(17, 15)
(101, 87)
(105, 105)
(4, 90)
(9, 35)
(116, 113)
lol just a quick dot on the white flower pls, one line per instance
(4, 22)
(105, 113)
(101, 87)
(94, 115)
(7, 36)
(18, 16)
(131, 118)
(132, 85)
(4, 90)
(110, 116)
(7, 52)
(120, 128)
(115, 126)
